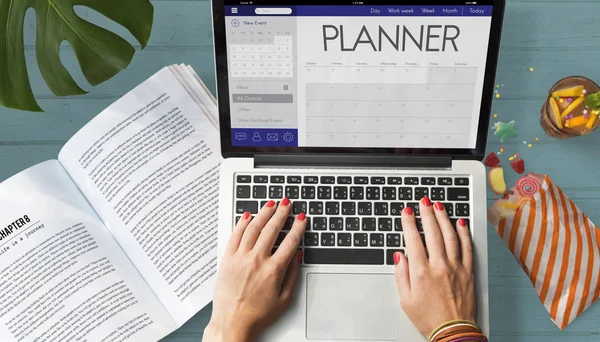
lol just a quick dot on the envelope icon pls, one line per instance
(272, 137)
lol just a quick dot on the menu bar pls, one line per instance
(362, 11)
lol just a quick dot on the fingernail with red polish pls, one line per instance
(300, 255)
(246, 215)
(462, 222)
(426, 201)
(439, 206)
(270, 204)
(285, 202)
(396, 258)
(301, 217)
(408, 211)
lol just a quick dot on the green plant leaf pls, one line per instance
(101, 54)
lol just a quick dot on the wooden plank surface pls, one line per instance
(555, 37)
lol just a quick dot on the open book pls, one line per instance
(116, 240)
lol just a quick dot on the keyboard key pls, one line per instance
(344, 180)
(398, 224)
(327, 180)
(311, 239)
(361, 239)
(244, 206)
(373, 193)
(299, 207)
(308, 192)
(390, 255)
(427, 181)
(237, 219)
(449, 208)
(381, 208)
(259, 191)
(389, 194)
(311, 179)
(411, 181)
(392, 240)
(376, 240)
(343, 256)
(462, 209)
(423, 240)
(415, 208)
(315, 208)
(419, 224)
(289, 222)
(377, 180)
(361, 180)
(365, 208)
(324, 192)
(396, 208)
(461, 181)
(340, 192)
(263, 203)
(336, 223)
(332, 208)
(384, 224)
(444, 181)
(405, 194)
(294, 179)
(394, 180)
(261, 179)
(319, 223)
(244, 179)
(327, 239)
(438, 194)
(368, 224)
(292, 192)
(280, 238)
(275, 191)
(348, 208)
(458, 194)
(357, 193)
(420, 193)
(243, 191)
(352, 224)
(344, 239)
(277, 179)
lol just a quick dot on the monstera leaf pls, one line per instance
(101, 53)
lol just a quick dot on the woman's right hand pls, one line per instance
(440, 288)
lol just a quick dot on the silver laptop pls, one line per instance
(355, 110)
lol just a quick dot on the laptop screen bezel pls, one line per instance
(222, 81)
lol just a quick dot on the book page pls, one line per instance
(63, 277)
(149, 166)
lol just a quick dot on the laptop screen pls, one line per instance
(361, 75)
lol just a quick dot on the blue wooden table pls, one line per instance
(557, 38)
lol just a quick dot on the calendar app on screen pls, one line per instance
(357, 76)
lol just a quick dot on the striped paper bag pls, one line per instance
(555, 243)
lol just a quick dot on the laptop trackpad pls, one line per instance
(351, 307)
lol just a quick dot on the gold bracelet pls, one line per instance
(450, 323)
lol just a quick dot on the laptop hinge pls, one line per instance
(341, 160)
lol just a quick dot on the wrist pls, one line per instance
(218, 333)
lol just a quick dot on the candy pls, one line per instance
(496, 179)
(505, 131)
(527, 186)
(491, 160)
(529, 145)
(497, 96)
(531, 69)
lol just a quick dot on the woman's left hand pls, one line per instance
(254, 286)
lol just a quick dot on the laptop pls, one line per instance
(355, 110)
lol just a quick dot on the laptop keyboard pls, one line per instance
(351, 219)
